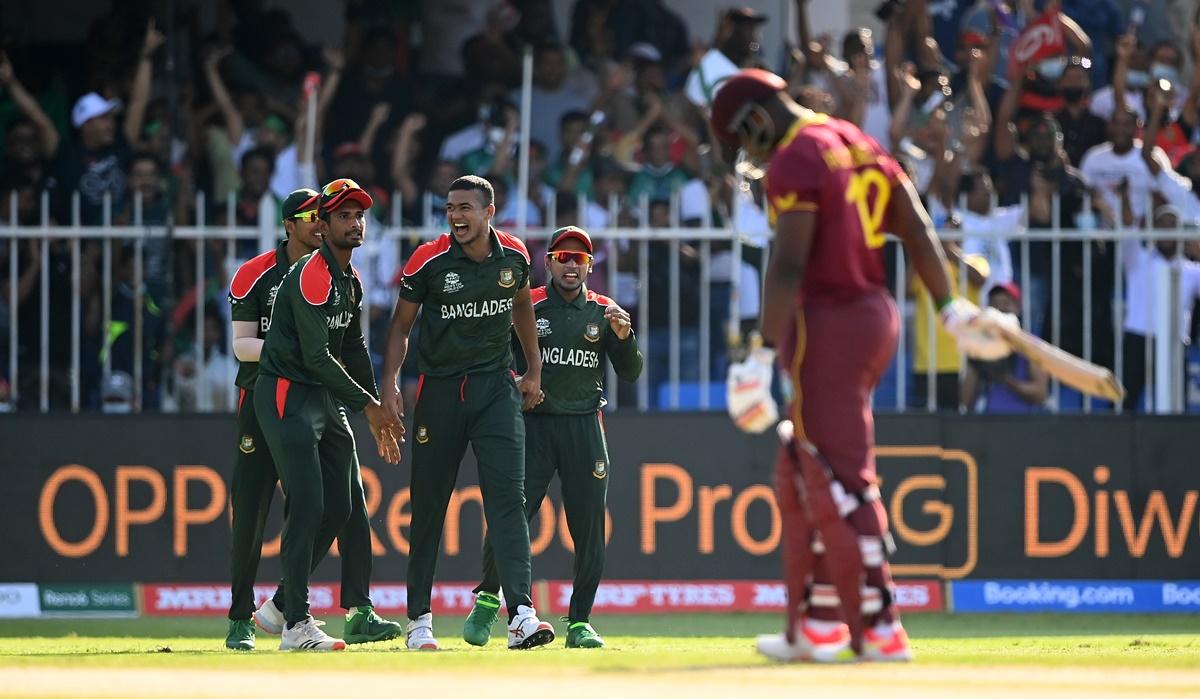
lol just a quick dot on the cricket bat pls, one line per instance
(1077, 373)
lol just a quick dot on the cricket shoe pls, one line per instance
(526, 631)
(813, 644)
(363, 625)
(269, 618)
(240, 635)
(420, 633)
(581, 635)
(477, 630)
(307, 635)
(886, 643)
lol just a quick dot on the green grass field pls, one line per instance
(677, 655)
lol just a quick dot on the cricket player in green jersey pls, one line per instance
(251, 296)
(472, 288)
(314, 366)
(577, 331)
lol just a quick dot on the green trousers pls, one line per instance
(484, 410)
(573, 446)
(250, 493)
(310, 439)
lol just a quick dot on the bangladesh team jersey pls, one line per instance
(575, 341)
(466, 306)
(251, 295)
(315, 322)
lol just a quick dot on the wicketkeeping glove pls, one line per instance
(748, 392)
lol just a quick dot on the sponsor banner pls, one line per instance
(613, 597)
(653, 597)
(690, 498)
(18, 600)
(1082, 596)
(87, 599)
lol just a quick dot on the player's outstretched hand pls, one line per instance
(387, 432)
(530, 386)
(393, 404)
(618, 318)
(748, 392)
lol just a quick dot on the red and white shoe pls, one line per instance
(816, 642)
(886, 643)
(526, 631)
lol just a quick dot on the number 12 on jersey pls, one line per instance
(871, 210)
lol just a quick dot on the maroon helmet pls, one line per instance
(735, 97)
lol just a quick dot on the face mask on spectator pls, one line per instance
(1163, 71)
(1052, 68)
(1073, 95)
(1137, 79)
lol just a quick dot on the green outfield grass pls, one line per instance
(647, 642)
(691, 656)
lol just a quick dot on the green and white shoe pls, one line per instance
(363, 625)
(478, 628)
(241, 635)
(580, 634)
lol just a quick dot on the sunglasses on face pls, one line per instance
(339, 185)
(306, 216)
(563, 257)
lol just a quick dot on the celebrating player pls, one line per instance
(251, 295)
(473, 284)
(577, 329)
(833, 193)
(314, 366)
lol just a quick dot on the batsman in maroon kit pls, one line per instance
(833, 194)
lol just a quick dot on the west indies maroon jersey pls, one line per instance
(830, 167)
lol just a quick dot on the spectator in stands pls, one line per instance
(737, 43)
(1009, 385)
(31, 141)
(647, 92)
(603, 29)
(572, 172)
(372, 81)
(1118, 163)
(97, 163)
(942, 355)
(1101, 20)
(557, 89)
(659, 178)
(1081, 128)
(1134, 69)
(986, 227)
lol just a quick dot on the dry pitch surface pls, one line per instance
(661, 656)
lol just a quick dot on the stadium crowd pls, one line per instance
(1006, 113)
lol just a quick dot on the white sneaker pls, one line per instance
(525, 630)
(812, 644)
(307, 635)
(269, 618)
(420, 633)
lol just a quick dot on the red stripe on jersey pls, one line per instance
(250, 272)
(600, 299)
(426, 252)
(513, 243)
(538, 294)
(241, 399)
(281, 390)
(316, 281)
(420, 385)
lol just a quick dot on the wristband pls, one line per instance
(944, 302)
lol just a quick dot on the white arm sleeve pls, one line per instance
(247, 346)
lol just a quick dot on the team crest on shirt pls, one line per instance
(247, 444)
(422, 435)
(451, 283)
(272, 293)
(600, 470)
(543, 327)
(592, 332)
(507, 278)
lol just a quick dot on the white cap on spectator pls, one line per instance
(646, 52)
(91, 106)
